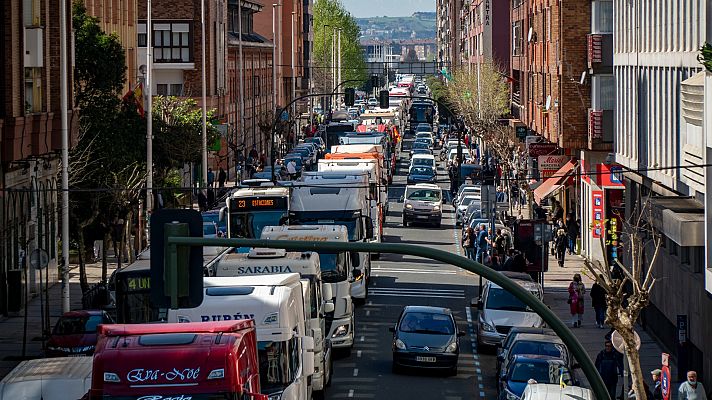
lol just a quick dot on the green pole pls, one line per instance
(538, 306)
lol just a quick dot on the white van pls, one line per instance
(453, 153)
(422, 159)
(546, 391)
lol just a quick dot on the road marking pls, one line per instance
(358, 353)
(475, 356)
(355, 371)
(368, 313)
(362, 339)
(482, 394)
(351, 393)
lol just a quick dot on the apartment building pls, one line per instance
(661, 96)
(449, 28)
(486, 33)
(30, 141)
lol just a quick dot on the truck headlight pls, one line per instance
(409, 206)
(451, 348)
(111, 377)
(400, 345)
(342, 330)
(436, 208)
(217, 374)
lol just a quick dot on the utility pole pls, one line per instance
(294, 79)
(326, 77)
(64, 106)
(274, 82)
(338, 80)
(333, 67)
(205, 97)
(240, 68)
(149, 111)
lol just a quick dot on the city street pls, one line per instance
(402, 280)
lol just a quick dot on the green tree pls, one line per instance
(353, 60)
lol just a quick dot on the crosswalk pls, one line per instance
(417, 292)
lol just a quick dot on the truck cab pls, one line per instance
(197, 360)
(276, 304)
(337, 272)
(317, 295)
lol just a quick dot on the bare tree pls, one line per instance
(628, 287)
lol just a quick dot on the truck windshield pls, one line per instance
(249, 225)
(349, 219)
(279, 363)
(333, 267)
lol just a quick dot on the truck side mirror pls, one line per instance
(308, 355)
(329, 307)
(327, 292)
(356, 273)
(369, 228)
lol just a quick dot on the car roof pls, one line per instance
(427, 309)
(523, 330)
(536, 358)
(82, 313)
(517, 275)
(424, 186)
(428, 156)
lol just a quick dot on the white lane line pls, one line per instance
(358, 353)
(414, 295)
(351, 393)
(368, 313)
(475, 356)
(370, 303)
(482, 394)
(362, 339)
(355, 371)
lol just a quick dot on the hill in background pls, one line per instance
(420, 25)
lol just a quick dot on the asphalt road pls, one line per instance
(406, 280)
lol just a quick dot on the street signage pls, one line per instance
(542, 149)
(39, 259)
(522, 132)
(665, 381)
(619, 344)
(548, 165)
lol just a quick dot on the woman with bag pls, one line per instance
(468, 242)
(576, 292)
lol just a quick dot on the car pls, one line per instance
(75, 333)
(543, 391)
(420, 145)
(422, 173)
(422, 151)
(426, 140)
(472, 191)
(531, 343)
(542, 369)
(298, 163)
(462, 206)
(318, 141)
(308, 158)
(452, 154)
(428, 135)
(423, 202)
(423, 127)
(372, 102)
(426, 337)
(422, 160)
(265, 173)
(217, 217)
(500, 310)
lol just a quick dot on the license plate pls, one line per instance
(425, 359)
(421, 216)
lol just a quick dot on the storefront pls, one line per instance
(602, 205)
(560, 185)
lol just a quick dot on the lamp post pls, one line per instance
(294, 79)
(274, 78)
(326, 79)
(204, 166)
(63, 98)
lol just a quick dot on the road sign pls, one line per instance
(619, 344)
(542, 149)
(665, 380)
(39, 259)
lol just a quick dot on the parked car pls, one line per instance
(542, 369)
(426, 337)
(461, 207)
(75, 333)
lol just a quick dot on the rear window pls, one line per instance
(167, 339)
(549, 372)
(77, 325)
(541, 348)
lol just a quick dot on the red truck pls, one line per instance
(188, 361)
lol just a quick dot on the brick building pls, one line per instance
(486, 33)
(30, 141)
(448, 26)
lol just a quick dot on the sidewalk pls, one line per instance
(12, 328)
(556, 283)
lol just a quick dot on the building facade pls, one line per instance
(448, 37)
(659, 138)
(486, 33)
(30, 141)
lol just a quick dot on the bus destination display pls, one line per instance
(259, 203)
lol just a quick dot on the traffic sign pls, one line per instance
(39, 259)
(665, 381)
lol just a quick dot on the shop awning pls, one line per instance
(555, 182)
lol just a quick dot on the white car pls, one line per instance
(452, 154)
(462, 207)
(467, 191)
(427, 160)
(501, 310)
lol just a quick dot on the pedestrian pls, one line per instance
(598, 301)
(291, 168)
(222, 177)
(468, 241)
(514, 193)
(561, 243)
(572, 232)
(482, 242)
(609, 364)
(691, 389)
(576, 292)
(658, 388)
(499, 245)
(211, 177)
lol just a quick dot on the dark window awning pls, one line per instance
(556, 182)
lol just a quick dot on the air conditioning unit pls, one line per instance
(34, 45)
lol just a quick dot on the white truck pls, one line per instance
(317, 295)
(64, 378)
(276, 304)
(336, 272)
(337, 198)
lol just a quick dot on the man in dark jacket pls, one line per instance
(598, 301)
(572, 233)
(609, 364)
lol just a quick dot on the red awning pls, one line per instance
(556, 181)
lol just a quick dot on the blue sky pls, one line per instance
(390, 8)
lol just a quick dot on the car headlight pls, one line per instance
(409, 206)
(436, 208)
(451, 348)
(487, 327)
(400, 345)
(342, 330)
(510, 395)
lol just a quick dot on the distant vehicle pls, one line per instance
(530, 343)
(217, 217)
(423, 202)
(317, 141)
(422, 174)
(423, 127)
(422, 151)
(48, 379)
(75, 333)
(420, 145)
(372, 102)
(426, 337)
(423, 160)
(543, 369)
(427, 140)
(462, 207)
(210, 229)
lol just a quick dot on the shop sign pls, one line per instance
(542, 149)
(548, 165)
(597, 217)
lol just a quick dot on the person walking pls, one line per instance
(658, 388)
(598, 301)
(572, 233)
(222, 178)
(691, 389)
(609, 364)
(211, 177)
(291, 168)
(576, 292)
(499, 248)
(482, 242)
(560, 244)
(468, 242)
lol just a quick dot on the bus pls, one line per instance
(250, 209)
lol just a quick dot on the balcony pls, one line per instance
(600, 52)
(600, 130)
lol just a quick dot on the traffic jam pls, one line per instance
(274, 324)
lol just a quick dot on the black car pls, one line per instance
(426, 337)
(542, 369)
(422, 174)
(420, 145)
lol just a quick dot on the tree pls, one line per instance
(353, 61)
(411, 56)
(628, 288)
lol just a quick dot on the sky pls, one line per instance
(390, 8)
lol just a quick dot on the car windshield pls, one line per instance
(423, 194)
(548, 372)
(428, 323)
(500, 299)
(423, 128)
(422, 171)
(420, 145)
(466, 201)
(541, 348)
(77, 325)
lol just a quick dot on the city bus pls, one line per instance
(250, 209)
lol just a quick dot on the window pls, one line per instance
(31, 12)
(602, 16)
(33, 90)
(548, 23)
(141, 40)
(176, 89)
(517, 38)
(162, 89)
(517, 3)
(603, 92)
(171, 42)
(256, 85)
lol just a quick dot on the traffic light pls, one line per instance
(375, 81)
(383, 100)
(350, 97)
